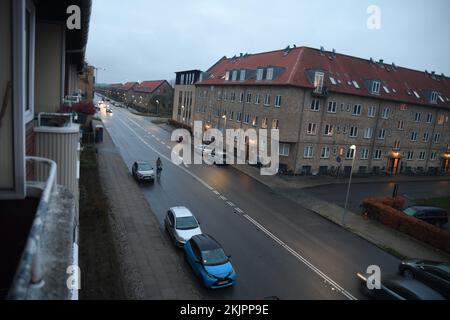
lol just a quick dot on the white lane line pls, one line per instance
(216, 192)
(301, 258)
(231, 204)
(163, 143)
(223, 198)
(158, 139)
(168, 147)
(298, 256)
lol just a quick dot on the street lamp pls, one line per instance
(182, 113)
(353, 147)
(157, 107)
(225, 122)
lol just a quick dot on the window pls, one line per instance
(246, 118)
(434, 97)
(325, 154)
(267, 100)
(400, 124)
(257, 97)
(368, 133)
(365, 154)
(376, 87)
(255, 121)
(422, 155)
(284, 149)
(386, 113)
(239, 117)
(372, 111)
(234, 75)
(433, 155)
(426, 136)
(311, 129)
(357, 110)
(227, 76)
(382, 134)
(410, 155)
(429, 118)
(318, 81)
(397, 145)
(308, 152)
(269, 75)
(437, 137)
(225, 95)
(355, 84)
(241, 97)
(249, 98)
(242, 75)
(350, 153)
(315, 105)
(231, 115)
(377, 155)
(353, 132)
(29, 42)
(441, 120)
(417, 117)
(328, 130)
(259, 74)
(413, 136)
(275, 124)
(264, 123)
(332, 107)
(333, 81)
(278, 101)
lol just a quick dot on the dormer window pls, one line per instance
(269, 75)
(376, 87)
(259, 74)
(242, 75)
(434, 97)
(227, 76)
(234, 75)
(318, 81)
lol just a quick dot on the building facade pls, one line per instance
(323, 103)
(184, 96)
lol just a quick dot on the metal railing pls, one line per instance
(29, 271)
(55, 115)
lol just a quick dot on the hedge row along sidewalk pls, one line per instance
(387, 211)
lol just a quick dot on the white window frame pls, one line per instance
(234, 75)
(315, 105)
(382, 134)
(430, 118)
(364, 154)
(325, 153)
(308, 152)
(284, 149)
(434, 97)
(410, 156)
(386, 113)
(269, 74)
(413, 136)
(332, 106)
(426, 136)
(437, 137)
(242, 75)
(357, 108)
(377, 154)
(433, 155)
(311, 129)
(318, 81)
(278, 101)
(257, 98)
(267, 99)
(376, 87)
(259, 74)
(29, 114)
(328, 130)
(353, 132)
(400, 124)
(368, 132)
(371, 113)
(422, 155)
(417, 117)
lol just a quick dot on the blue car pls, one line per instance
(209, 262)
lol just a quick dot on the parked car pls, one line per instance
(434, 274)
(396, 287)
(108, 109)
(181, 225)
(143, 172)
(433, 215)
(209, 262)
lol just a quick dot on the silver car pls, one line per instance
(142, 171)
(181, 225)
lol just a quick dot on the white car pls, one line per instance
(181, 225)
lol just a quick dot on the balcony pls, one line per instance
(38, 238)
(320, 92)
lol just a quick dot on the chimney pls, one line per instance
(322, 50)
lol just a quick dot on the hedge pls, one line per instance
(386, 211)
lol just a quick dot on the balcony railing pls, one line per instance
(321, 91)
(30, 271)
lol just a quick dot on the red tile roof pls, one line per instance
(342, 67)
(149, 86)
(128, 85)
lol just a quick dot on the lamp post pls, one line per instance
(182, 114)
(157, 107)
(353, 147)
(225, 123)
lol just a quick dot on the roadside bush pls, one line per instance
(383, 210)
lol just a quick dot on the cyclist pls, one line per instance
(158, 166)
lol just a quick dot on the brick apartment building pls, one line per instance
(184, 96)
(323, 102)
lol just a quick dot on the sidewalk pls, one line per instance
(393, 241)
(150, 264)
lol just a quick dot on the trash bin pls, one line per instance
(98, 132)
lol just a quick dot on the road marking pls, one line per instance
(254, 222)
(163, 143)
(223, 198)
(216, 192)
(168, 147)
(231, 204)
(301, 258)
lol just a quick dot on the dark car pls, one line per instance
(434, 274)
(399, 288)
(433, 215)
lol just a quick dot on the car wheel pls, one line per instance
(408, 274)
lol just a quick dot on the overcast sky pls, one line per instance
(139, 40)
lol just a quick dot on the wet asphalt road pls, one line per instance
(278, 248)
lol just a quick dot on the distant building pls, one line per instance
(154, 96)
(184, 96)
(323, 103)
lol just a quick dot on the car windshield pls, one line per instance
(410, 211)
(144, 167)
(186, 223)
(214, 257)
